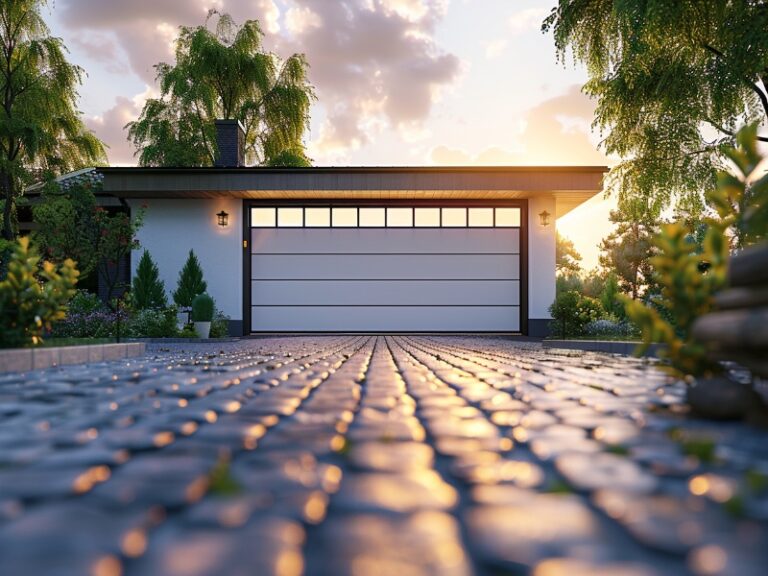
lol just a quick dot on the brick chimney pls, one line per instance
(230, 138)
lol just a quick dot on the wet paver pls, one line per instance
(366, 455)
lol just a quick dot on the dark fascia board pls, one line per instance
(354, 169)
(186, 181)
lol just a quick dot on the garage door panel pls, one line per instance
(331, 292)
(380, 266)
(390, 240)
(384, 319)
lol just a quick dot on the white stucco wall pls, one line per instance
(173, 227)
(541, 261)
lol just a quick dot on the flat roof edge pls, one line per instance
(352, 169)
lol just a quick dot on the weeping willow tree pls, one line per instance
(673, 79)
(40, 126)
(223, 72)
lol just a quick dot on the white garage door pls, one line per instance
(385, 269)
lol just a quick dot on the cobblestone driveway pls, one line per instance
(372, 456)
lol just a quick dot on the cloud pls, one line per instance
(555, 132)
(375, 63)
(495, 48)
(140, 27)
(528, 19)
(103, 48)
(109, 127)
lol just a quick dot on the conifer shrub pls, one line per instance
(191, 282)
(148, 289)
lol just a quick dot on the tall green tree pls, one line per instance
(567, 258)
(222, 71)
(40, 125)
(628, 249)
(673, 80)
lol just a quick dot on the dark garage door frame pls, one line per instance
(339, 202)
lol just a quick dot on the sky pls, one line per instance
(399, 82)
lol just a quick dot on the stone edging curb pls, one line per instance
(185, 340)
(611, 347)
(25, 359)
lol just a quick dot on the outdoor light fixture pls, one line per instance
(223, 218)
(544, 218)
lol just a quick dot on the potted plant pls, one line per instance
(202, 314)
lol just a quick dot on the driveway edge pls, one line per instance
(25, 359)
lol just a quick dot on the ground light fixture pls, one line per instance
(223, 218)
(544, 218)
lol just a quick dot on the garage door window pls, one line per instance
(344, 217)
(317, 217)
(384, 217)
(290, 217)
(373, 217)
(427, 217)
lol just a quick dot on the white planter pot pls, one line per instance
(203, 329)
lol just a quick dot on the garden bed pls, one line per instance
(626, 347)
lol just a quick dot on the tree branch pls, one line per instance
(754, 87)
(724, 130)
(761, 95)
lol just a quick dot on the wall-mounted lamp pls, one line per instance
(544, 218)
(223, 218)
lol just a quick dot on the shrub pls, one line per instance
(190, 282)
(572, 311)
(220, 325)
(32, 299)
(611, 327)
(690, 275)
(148, 290)
(686, 294)
(94, 324)
(84, 302)
(188, 332)
(202, 308)
(153, 324)
(563, 311)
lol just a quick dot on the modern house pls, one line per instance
(360, 249)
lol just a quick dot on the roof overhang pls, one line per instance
(569, 185)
